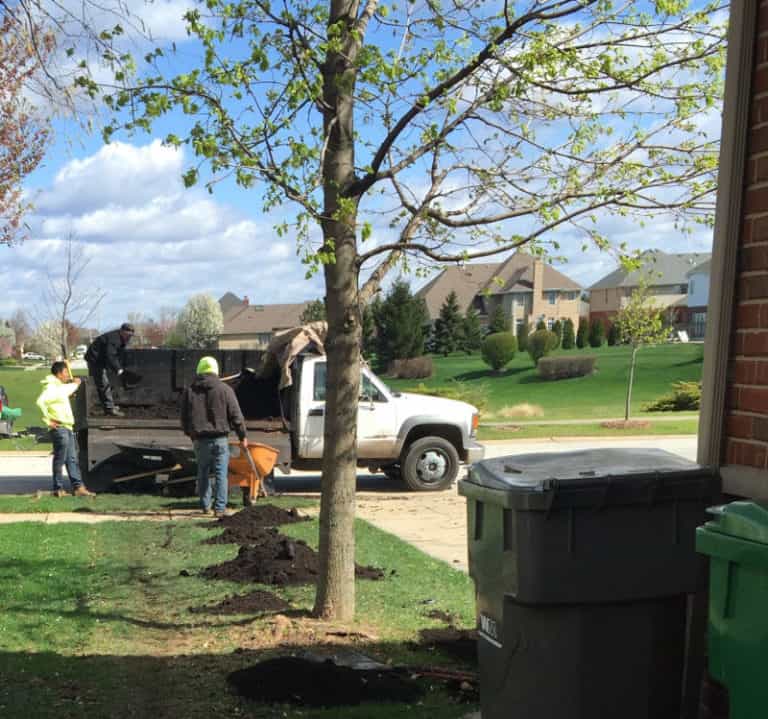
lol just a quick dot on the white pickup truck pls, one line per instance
(418, 438)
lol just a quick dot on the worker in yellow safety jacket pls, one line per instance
(53, 402)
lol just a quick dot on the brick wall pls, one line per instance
(746, 420)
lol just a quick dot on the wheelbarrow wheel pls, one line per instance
(247, 501)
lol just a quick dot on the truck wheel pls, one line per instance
(430, 464)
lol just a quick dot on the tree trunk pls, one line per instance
(629, 384)
(335, 597)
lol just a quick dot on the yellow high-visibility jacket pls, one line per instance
(54, 401)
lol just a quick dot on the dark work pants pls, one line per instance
(101, 380)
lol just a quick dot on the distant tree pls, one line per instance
(200, 322)
(614, 336)
(47, 339)
(313, 312)
(498, 350)
(499, 321)
(596, 333)
(472, 332)
(522, 336)
(568, 336)
(19, 323)
(640, 323)
(557, 329)
(582, 334)
(401, 323)
(448, 326)
(369, 330)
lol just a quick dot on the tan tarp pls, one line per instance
(288, 344)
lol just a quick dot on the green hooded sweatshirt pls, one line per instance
(54, 401)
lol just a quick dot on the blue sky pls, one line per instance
(152, 244)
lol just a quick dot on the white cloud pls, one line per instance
(150, 243)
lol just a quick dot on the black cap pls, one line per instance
(127, 327)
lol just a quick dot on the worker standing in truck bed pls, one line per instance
(107, 353)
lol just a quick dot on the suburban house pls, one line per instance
(248, 326)
(528, 290)
(677, 282)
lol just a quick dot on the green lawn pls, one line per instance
(598, 396)
(95, 622)
(541, 431)
(23, 387)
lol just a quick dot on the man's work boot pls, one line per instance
(82, 491)
(60, 493)
(115, 412)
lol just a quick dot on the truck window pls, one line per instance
(318, 393)
(368, 390)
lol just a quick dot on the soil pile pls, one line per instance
(245, 527)
(251, 603)
(276, 559)
(321, 684)
(460, 644)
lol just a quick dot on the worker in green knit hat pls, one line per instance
(209, 410)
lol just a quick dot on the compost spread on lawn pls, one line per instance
(275, 559)
(251, 603)
(245, 526)
(321, 684)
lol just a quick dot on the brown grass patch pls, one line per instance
(626, 424)
(522, 410)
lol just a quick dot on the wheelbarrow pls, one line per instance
(248, 468)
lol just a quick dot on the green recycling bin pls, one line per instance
(736, 541)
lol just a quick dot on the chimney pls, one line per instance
(246, 301)
(538, 308)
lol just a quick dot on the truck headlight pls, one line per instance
(475, 423)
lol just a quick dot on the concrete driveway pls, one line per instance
(433, 522)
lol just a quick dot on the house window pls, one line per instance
(552, 297)
(519, 322)
(683, 289)
(550, 323)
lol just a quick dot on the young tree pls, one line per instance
(614, 335)
(522, 336)
(582, 334)
(448, 326)
(402, 319)
(200, 322)
(568, 337)
(640, 323)
(472, 332)
(541, 325)
(70, 301)
(23, 133)
(557, 330)
(499, 321)
(499, 350)
(487, 124)
(596, 333)
(22, 330)
(313, 312)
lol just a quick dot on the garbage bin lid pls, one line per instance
(746, 520)
(538, 472)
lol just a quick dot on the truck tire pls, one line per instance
(430, 464)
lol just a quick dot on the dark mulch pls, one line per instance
(251, 603)
(460, 644)
(245, 527)
(321, 684)
(441, 615)
(276, 559)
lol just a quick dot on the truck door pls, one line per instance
(376, 418)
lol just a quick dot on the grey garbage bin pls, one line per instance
(582, 562)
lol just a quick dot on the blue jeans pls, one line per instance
(65, 453)
(212, 458)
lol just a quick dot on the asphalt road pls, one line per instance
(28, 472)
